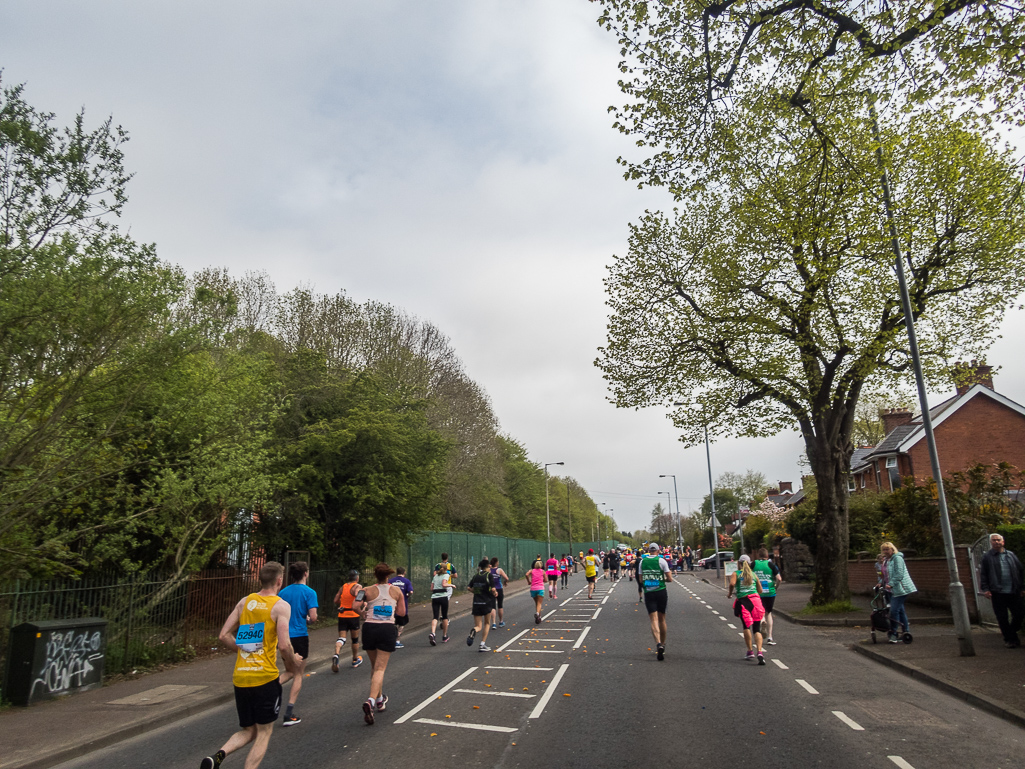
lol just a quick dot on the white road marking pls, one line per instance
(496, 694)
(714, 611)
(549, 614)
(566, 601)
(900, 762)
(582, 637)
(808, 687)
(458, 725)
(513, 640)
(585, 619)
(537, 651)
(849, 721)
(539, 708)
(731, 625)
(779, 664)
(723, 619)
(597, 613)
(512, 667)
(740, 634)
(434, 696)
(604, 600)
(549, 640)
(581, 590)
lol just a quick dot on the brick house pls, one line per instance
(977, 425)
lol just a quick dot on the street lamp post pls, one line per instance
(548, 512)
(679, 526)
(711, 497)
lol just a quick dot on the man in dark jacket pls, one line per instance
(1002, 579)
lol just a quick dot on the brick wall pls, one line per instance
(930, 576)
(982, 430)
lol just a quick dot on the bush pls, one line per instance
(1014, 538)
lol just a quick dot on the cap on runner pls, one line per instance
(590, 551)
(745, 557)
(653, 547)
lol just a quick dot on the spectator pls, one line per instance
(900, 586)
(1001, 580)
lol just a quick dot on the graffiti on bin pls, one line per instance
(70, 661)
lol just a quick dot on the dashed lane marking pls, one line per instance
(582, 637)
(779, 664)
(512, 667)
(849, 721)
(731, 625)
(900, 762)
(496, 694)
(597, 613)
(549, 640)
(514, 639)
(604, 600)
(539, 708)
(714, 611)
(722, 618)
(537, 651)
(807, 686)
(549, 614)
(566, 601)
(434, 696)
(458, 725)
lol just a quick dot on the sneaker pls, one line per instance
(334, 663)
(431, 638)
(399, 645)
(537, 619)
(357, 662)
(368, 712)
(761, 660)
(292, 720)
(484, 648)
(750, 654)
(501, 624)
(894, 639)
(381, 704)
(661, 651)
(469, 638)
(493, 626)
(770, 642)
(212, 762)
(444, 639)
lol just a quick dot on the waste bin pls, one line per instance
(54, 658)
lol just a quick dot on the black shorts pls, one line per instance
(656, 601)
(258, 704)
(553, 577)
(591, 579)
(767, 602)
(348, 623)
(499, 599)
(400, 621)
(379, 636)
(439, 606)
(301, 645)
(483, 609)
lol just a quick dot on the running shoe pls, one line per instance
(334, 663)
(431, 638)
(894, 639)
(661, 651)
(493, 626)
(770, 642)
(381, 703)
(399, 645)
(368, 712)
(469, 638)
(750, 654)
(212, 762)
(357, 662)
(444, 639)
(761, 660)
(537, 619)
(501, 624)
(292, 720)
(484, 648)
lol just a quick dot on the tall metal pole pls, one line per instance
(679, 526)
(958, 603)
(711, 498)
(570, 517)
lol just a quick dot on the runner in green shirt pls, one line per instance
(652, 575)
(768, 574)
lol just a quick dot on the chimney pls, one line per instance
(772, 492)
(894, 418)
(967, 375)
(786, 487)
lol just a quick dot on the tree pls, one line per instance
(727, 506)
(869, 429)
(663, 525)
(772, 302)
(747, 487)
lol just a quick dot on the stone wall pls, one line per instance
(796, 561)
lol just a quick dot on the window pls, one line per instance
(863, 480)
(891, 461)
(850, 483)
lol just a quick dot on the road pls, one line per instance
(584, 689)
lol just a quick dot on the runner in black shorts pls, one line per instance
(484, 593)
(652, 575)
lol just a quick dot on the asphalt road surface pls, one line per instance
(584, 688)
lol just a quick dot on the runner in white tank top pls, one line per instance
(379, 605)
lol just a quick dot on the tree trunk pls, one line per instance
(830, 465)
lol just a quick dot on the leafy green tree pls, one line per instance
(727, 506)
(748, 486)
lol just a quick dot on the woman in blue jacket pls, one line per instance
(900, 586)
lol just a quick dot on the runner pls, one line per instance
(257, 629)
(348, 620)
(552, 570)
(613, 565)
(768, 574)
(302, 600)
(606, 564)
(380, 604)
(406, 587)
(564, 569)
(482, 585)
(452, 573)
(590, 571)
(501, 579)
(748, 606)
(652, 575)
(441, 592)
(536, 578)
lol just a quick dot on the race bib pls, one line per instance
(765, 584)
(652, 583)
(249, 638)
(383, 612)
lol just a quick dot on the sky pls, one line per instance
(455, 159)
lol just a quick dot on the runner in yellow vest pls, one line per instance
(591, 562)
(257, 629)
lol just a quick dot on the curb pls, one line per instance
(991, 706)
(848, 622)
(157, 721)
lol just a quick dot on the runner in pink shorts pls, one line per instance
(748, 606)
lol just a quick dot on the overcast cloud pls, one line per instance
(452, 158)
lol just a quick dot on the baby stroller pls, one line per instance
(881, 615)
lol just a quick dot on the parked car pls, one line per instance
(709, 562)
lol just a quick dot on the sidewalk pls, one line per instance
(993, 680)
(50, 733)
